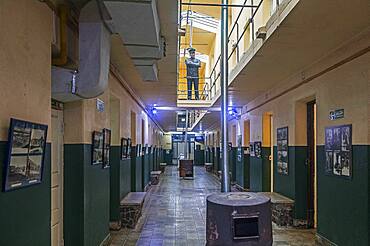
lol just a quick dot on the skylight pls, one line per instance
(201, 21)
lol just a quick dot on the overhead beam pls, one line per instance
(220, 5)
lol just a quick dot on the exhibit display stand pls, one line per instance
(186, 169)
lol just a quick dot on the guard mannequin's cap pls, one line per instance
(191, 49)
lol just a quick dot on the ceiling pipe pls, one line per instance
(91, 79)
(62, 59)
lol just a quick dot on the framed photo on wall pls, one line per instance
(129, 147)
(251, 149)
(258, 149)
(106, 147)
(138, 150)
(26, 154)
(146, 151)
(124, 148)
(338, 151)
(282, 150)
(97, 148)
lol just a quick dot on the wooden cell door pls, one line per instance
(57, 164)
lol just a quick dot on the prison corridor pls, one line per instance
(175, 214)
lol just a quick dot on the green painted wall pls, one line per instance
(232, 163)
(266, 169)
(260, 171)
(151, 162)
(256, 174)
(120, 181)
(242, 169)
(294, 185)
(167, 156)
(25, 213)
(137, 173)
(86, 197)
(199, 157)
(218, 159)
(343, 204)
(146, 170)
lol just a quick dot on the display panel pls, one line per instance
(26, 153)
(282, 150)
(97, 148)
(338, 151)
(125, 148)
(106, 147)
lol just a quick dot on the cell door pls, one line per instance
(311, 164)
(57, 164)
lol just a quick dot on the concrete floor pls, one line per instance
(175, 214)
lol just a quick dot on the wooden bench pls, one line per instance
(282, 209)
(154, 177)
(162, 166)
(208, 166)
(131, 208)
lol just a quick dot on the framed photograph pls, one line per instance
(97, 148)
(125, 148)
(258, 149)
(26, 153)
(282, 150)
(138, 150)
(146, 151)
(106, 147)
(251, 149)
(338, 151)
(129, 147)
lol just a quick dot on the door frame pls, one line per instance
(311, 165)
(56, 113)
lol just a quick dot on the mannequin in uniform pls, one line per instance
(192, 73)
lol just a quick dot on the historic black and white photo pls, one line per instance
(258, 149)
(329, 162)
(97, 156)
(282, 150)
(124, 148)
(27, 142)
(106, 147)
(251, 149)
(338, 150)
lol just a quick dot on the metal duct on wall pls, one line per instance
(94, 49)
(137, 23)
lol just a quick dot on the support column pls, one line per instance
(187, 157)
(225, 183)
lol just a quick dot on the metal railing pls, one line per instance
(183, 91)
(212, 86)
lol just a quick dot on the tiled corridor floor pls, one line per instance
(175, 214)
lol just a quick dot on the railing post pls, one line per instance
(252, 21)
(237, 41)
(225, 183)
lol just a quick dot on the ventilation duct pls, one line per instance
(137, 23)
(91, 80)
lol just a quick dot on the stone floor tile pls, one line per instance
(175, 212)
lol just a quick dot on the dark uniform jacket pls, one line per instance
(192, 68)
